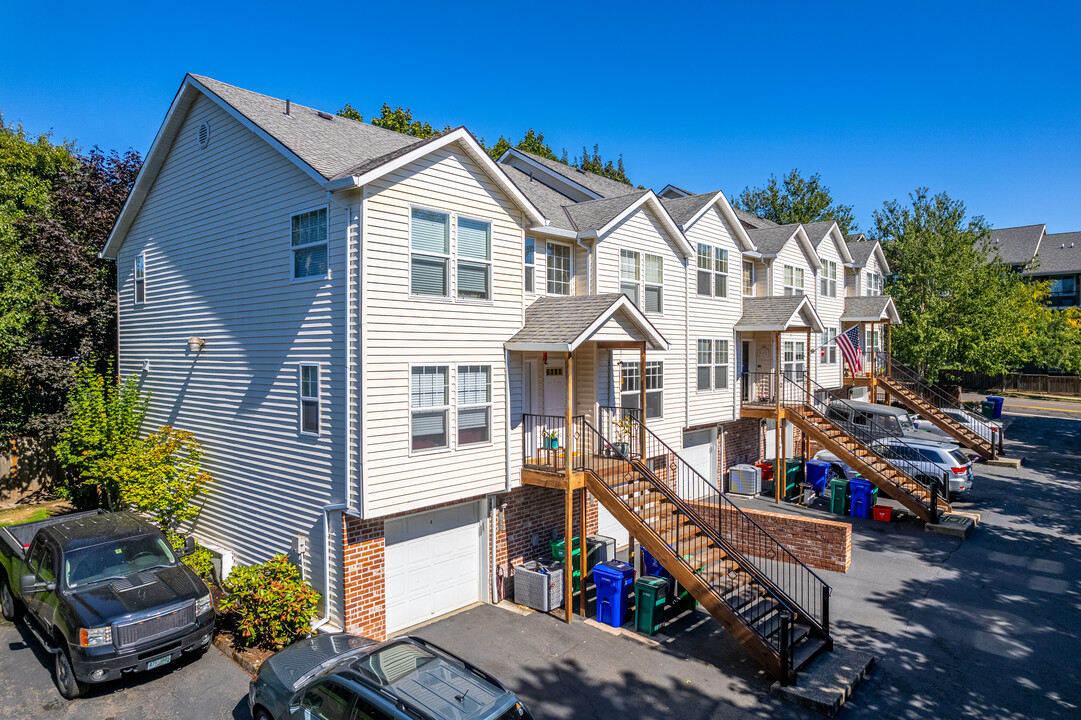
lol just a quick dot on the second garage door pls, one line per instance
(433, 564)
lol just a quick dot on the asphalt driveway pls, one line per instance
(987, 627)
(210, 687)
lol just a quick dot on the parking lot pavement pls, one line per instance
(983, 627)
(210, 687)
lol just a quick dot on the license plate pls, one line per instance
(159, 662)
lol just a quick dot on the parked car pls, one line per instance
(867, 422)
(346, 677)
(989, 430)
(927, 461)
(104, 593)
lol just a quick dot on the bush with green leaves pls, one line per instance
(274, 606)
(104, 423)
(201, 561)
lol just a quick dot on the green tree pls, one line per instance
(796, 199)
(959, 308)
(594, 164)
(161, 475)
(531, 142)
(105, 416)
(349, 112)
(401, 120)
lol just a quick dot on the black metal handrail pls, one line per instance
(870, 434)
(544, 441)
(769, 561)
(911, 379)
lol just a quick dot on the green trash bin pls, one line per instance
(793, 472)
(839, 496)
(650, 594)
(558, 556)
(987, 409)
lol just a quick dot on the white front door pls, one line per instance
(555, 389)
(432, 564)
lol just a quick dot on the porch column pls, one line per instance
(582, 547)
(807, 358)
(642, 400)
(568, 510)
(889, 358)
(778, 472)
(777, 370)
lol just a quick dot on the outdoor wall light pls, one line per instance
(196, 344)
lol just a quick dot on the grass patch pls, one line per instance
(39, 515)
(32, 513)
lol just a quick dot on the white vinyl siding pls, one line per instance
(309, 238)
(829, 304)
(436, 332)
(216, 228)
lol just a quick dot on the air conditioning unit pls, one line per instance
(744, 480)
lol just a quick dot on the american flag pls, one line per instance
(849, 342)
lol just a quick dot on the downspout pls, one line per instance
(687, 341)
(327, 509)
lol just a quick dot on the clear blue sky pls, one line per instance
(982, 100)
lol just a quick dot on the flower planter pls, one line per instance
(622, 448)
(551, 443)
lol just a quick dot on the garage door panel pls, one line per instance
(432, 564)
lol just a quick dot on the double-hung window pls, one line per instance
(530, 260)
(748, 278)
(654, 283)
(309, 241)
(712, 366)
(474, 259)
(140, 278)
(874, 284)
(829, 278)
(827, 353)
(630, 387)
(474, 404)
(630, 275)
(793, 280)
(793, 359)
(712, 271)
(558, 269)
(429, 259)
(309, 399)
(429, 400)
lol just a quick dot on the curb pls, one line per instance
(222, 644)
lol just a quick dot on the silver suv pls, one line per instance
(926, 460)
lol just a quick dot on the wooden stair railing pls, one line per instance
(964, 435)
(769, 601)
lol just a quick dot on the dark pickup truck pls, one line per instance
(103, 592)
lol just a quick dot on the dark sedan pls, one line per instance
(346, 677)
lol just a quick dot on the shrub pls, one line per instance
(274, 606)
(201, 561)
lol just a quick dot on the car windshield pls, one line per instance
(115, 559)
(906, 422)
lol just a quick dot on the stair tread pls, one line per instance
(806, 650)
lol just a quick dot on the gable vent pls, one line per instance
(204, 135)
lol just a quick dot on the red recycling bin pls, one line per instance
(883, 512)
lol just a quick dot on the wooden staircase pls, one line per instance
(686, 538)
(917, 403)
(916, 496)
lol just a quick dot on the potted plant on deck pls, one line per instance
(550, 439)
(624, 429)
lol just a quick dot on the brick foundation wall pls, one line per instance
(363, 574)
(822, 544)
(743, 440)
(531, 518)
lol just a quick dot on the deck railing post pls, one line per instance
(786, 661)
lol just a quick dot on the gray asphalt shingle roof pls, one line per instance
(817, 231)
(770, 240)
(595, 214)
(560, 320)
(1060, 254)
(860, 250)
(865, 308)
(684, 208)
(752, 221)
(331, 145)
(1016, 245)
(599, 184)
(550, 202)
(769, 312)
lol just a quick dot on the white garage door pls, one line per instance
(433, 564)
(698, 452)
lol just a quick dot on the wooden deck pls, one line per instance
(554, 478)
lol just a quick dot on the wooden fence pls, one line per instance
(28, 470)
(1066, 385)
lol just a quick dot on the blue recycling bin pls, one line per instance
(816, 473)
(614, 580)
(998, 401)
(863, 499)
(650, 567)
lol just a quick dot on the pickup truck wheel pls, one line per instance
(66, 682)
(261, 713)
(9, 606)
